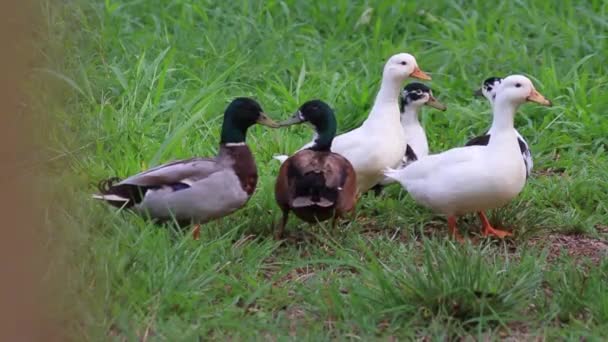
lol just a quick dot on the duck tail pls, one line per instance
(110, 192)
(105, 185)
(311, 190)
(282, 158)
(303, 202)
(391, 175)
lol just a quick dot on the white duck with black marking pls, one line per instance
(488, 90)
(413, 97)
(475, 178)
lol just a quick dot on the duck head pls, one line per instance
(401, 66)
(517, 89)
(416, 95)
(488, 88)
(241, 114)
(320, 115)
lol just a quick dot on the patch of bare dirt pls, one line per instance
(299, 274)
(551, 171)
(517, 331)
(602, 229)
(295, 315)
(577, 247)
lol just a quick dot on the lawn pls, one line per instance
(146, 82)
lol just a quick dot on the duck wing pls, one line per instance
(180, 171)
(176, 175)
(316, 178)
(483, 140)
(429, 165)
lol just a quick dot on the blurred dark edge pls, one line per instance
(25, 292)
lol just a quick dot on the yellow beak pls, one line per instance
(537, 97)
(263, 119)
(419, 74)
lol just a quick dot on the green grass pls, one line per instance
(147, 81)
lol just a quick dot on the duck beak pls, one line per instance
(478, 92)
(295, 119)
(419, 74)
(263, 119)
(537, 97)
(432, 102)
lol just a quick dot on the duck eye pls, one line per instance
(403, 63)
(518, 85)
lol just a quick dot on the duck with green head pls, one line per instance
(196, 190)
(315, 183)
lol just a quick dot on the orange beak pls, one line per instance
(419, 74)
(535, 96)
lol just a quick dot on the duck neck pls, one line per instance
(409, 116)
(413, 130)
(233, 133)
(325, 131)
(387, 96)
(493, 125)
(503, 116)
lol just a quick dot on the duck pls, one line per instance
(196, 190)
(488, 90)
(315, 183)
(479, 177)
(380, 141)
(414, 96)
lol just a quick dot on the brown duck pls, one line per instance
(315, 183)
(196, 190)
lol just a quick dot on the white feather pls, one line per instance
(379, 142)
(110, 197)
(527, 155)
(281, 158)
(473, 178)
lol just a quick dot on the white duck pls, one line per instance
(475, 178)
(379, 142)
(413, 97)
(488, 90)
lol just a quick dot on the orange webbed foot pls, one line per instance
(488, 230)
(454, 230)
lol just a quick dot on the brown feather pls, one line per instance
(338, 178)
(244, 166)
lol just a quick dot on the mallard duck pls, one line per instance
(413, 97)
(315, 183)
(475, 178)
(196, 190)
(488, 90)
(379, 142)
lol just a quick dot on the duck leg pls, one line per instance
(453, 229)
(488, 230)
(377, 189)
(196, 232)
(279, 233)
